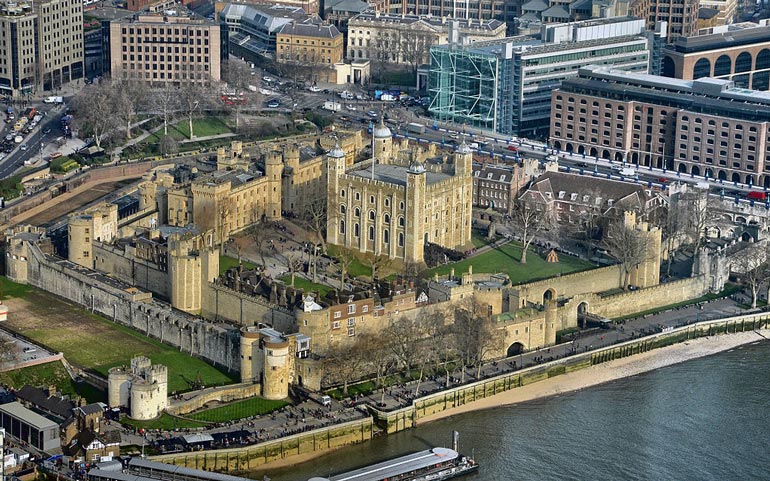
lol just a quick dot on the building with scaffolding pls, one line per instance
(505, 85)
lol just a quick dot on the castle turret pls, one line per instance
(291, 156)
(382, 143)
(335, 168)
(463, 160)
(80, 237)
(273, 171)
(275, 378)
(415, 201)
(550, 322)
(249, 342)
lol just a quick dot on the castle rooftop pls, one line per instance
(395, 174)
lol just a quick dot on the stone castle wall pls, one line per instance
(568, 285)
(222, 302)
(219, 394)
(128, 306)
(136, 272)
(619, 305)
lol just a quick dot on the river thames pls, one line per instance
(705, 419)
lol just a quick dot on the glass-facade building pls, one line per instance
(505, 85)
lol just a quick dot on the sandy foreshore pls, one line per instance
(592, 376)
(609, 371)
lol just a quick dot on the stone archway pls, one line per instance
(557, 145)
(581, 150)
(549, 295)
(582, 310)
(515, 349)
(594, 152)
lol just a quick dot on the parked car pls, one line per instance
(273, 103)
(313, 88)
(512, 148)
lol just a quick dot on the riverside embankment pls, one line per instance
(567, 374)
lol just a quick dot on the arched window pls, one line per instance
(371, 199)
(371, 215)
(401, 205)
(371, 232)
(743, 62)
(356, 229)
(385, 236)
(358, 196)
(401, 221)
(387, 202)
(401, 239)
(342, 227)
(342, 193)
(386, 218)
(357, 212)
(343, 209)
(702, 69)
(722, 66)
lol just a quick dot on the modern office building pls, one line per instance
(167, 48)
(253, 28)
(41, 45)
(681, 16)
(506, 85)
(738, 52)
(707, 127)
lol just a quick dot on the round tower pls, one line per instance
(249, 338)
(273, 170)
(118, 387)
(275, 381)
(550, 323)
(80, 230)
(382, 142)
(145, 401)
(291, 157)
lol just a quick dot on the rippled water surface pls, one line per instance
(706, 419)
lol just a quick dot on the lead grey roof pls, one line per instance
(394, 467)
(394, 174)
(534, 6)
(310, 30)
(180, 472)
(557, 11)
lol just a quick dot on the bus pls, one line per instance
(415, 128)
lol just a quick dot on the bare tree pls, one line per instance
(193, 99)
(753, 266)
(168, 145)
(314, 217)
(442, 341)
(224, 209)
(701, 213)
(239, 80)
(528, 220)
(343, 261)
(404, 333)
(379, 358)
(294, 263)
(675, 229)
(166, 100)
(94, 111)
(346, 362)
(259, 236)
(628, 246)
(414, 47)
(129, 98)
(476, 334)
(375, 263)
(381, 52)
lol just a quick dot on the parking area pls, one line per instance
(18, 353)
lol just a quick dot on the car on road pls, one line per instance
(267, 79)
(24, 147)
(350, 107)
(372, 114)
(512, 148)
(313, 88)
(273, 104)
(327, 91)
(344, 118)
(662, 180)
(47, 131)
(454, 135)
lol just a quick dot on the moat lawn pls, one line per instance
(52, 373)
(255, 406)
(165, 422)
(506, 259)
(307, 286)
(97, 344)
(226, 262)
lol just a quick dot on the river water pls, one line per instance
(705, 419)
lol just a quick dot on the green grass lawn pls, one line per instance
(202, 127)
(52, 373)
(165, 422)
(506, 258)
(96, 344)
(226, 262)
(356, 268)
(12, 289)
(238, 410)
(478, 239)
(308, 286)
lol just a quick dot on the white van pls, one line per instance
(326, 400)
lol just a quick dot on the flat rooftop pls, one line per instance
(35, 420)
(394, 174)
